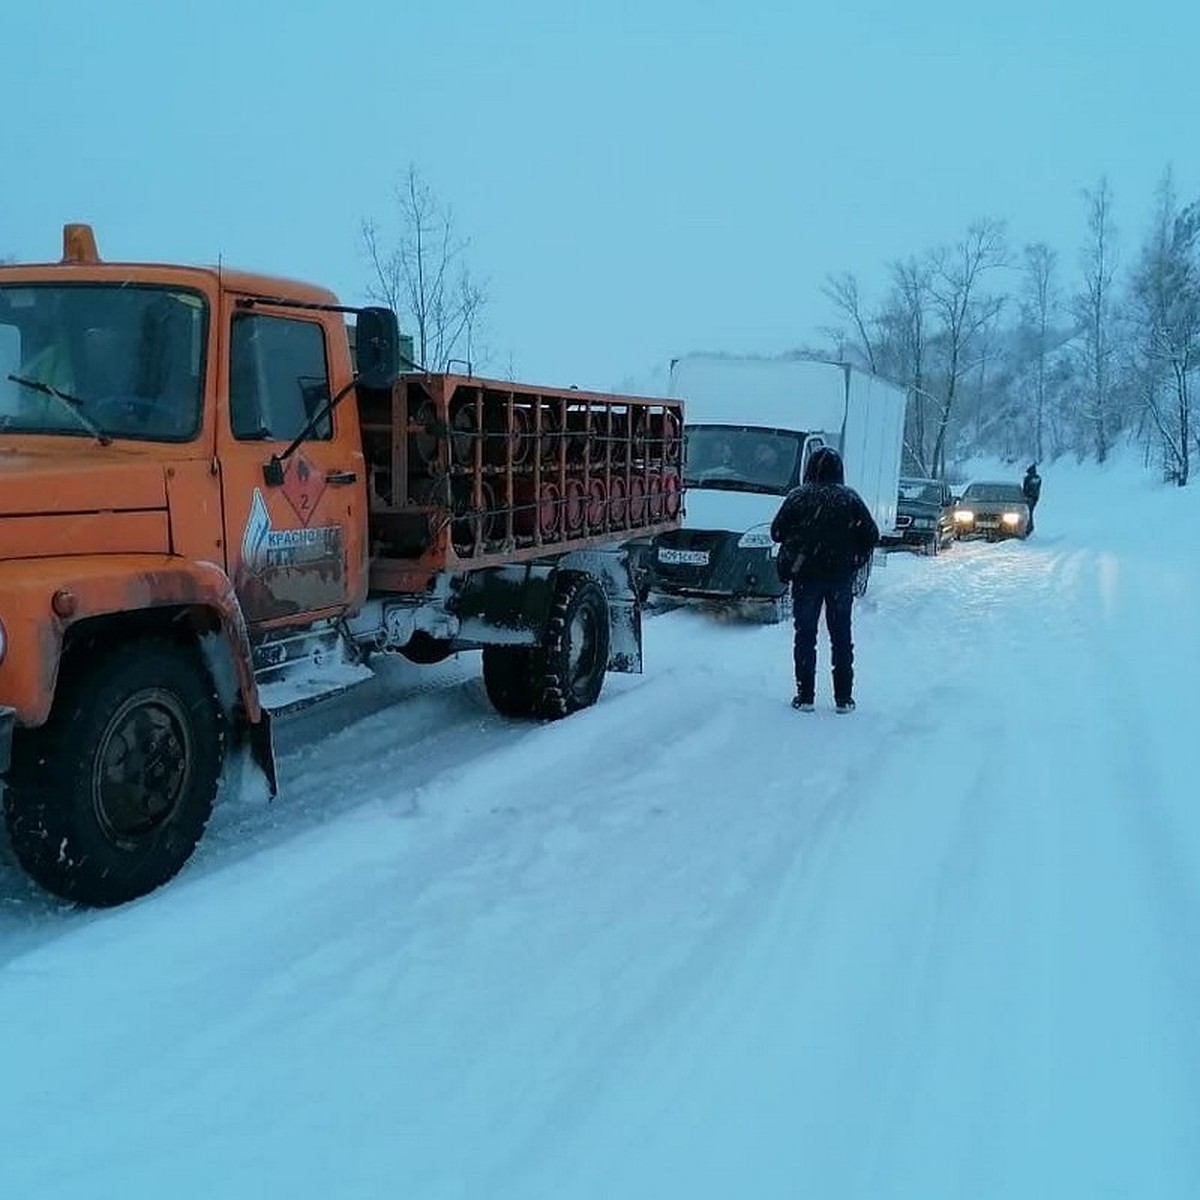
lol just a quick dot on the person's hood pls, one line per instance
(825, 466)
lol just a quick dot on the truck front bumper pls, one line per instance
(8, 721)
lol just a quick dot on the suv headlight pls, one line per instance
(964, 516)
(758, 538)
(1011, 518)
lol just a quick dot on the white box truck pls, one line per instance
(750, 426)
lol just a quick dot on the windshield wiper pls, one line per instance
(72, 404)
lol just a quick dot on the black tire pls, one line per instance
(108, 800)
(572, 660)
(508, 679)
(566, 672)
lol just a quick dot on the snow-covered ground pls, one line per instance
(688, 943)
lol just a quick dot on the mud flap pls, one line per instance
(625, 636)
(262, 750)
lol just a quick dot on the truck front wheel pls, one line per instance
(109, 799)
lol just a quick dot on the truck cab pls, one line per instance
(753, 424)
(736, 478)
(188, 510)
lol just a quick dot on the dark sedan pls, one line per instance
(992, 510)
(924, 516)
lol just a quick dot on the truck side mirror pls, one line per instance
(377, 346)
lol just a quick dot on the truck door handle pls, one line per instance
(341, 478)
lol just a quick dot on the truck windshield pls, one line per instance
(130, 357)
(741, 458)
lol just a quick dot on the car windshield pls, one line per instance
(994, 493)
(741, 458)
(109, 359)
(922, 490)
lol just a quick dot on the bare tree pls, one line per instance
(956, 276)
(1165, 293)
(1040, 301)
(843, 291)
(1094, 309)
(905, 321)
(891, 341)
(424, 278)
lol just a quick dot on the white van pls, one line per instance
(750, 426)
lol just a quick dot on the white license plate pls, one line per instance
(683, 558)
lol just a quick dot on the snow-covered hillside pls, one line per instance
(688, 943)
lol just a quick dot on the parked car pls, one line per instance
(992, 510)
(924, 516)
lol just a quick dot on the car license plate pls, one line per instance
(683, 558)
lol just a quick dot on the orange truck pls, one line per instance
(210, 480)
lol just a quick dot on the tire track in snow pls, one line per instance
(1065, 1017)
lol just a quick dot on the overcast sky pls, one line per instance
(638, 180)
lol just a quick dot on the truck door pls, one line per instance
(295, 548)
(812, 444)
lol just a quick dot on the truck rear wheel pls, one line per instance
(566, 672)
(573, 658)
(508, 679)
(108, 800)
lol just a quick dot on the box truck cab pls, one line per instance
(752, 425)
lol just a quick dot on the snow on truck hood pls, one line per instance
(715, 508)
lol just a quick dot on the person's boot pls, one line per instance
(843, 688)
(803, 699)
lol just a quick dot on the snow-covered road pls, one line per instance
(688, 943)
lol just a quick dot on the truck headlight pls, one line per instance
(1011, 519)
(964, 516)
(923, 523)
(757, 538)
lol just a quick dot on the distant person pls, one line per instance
(766, 461)
(1031, 489)
(716, 459)
(50, 366)
(827, 535)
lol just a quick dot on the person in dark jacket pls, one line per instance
(1031, 489)
(826, 535)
